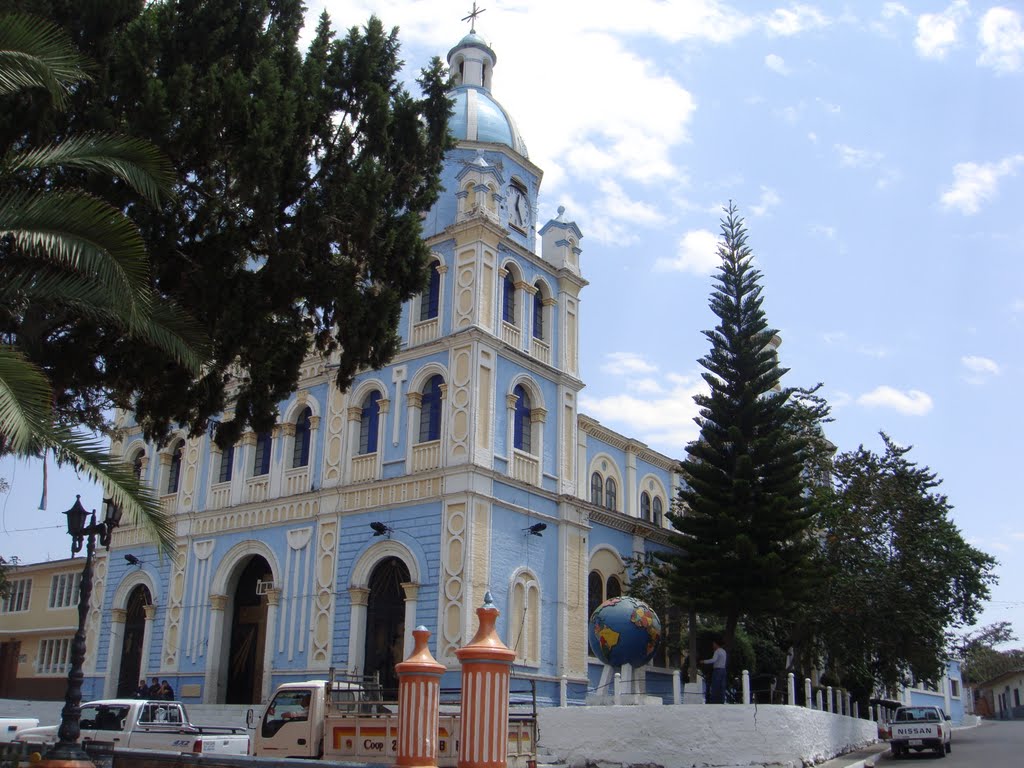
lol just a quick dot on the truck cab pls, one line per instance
(293, 722)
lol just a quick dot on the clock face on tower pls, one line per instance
(518, 207)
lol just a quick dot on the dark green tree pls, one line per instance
(295, 223)
(900, 574)
(981, 660)
(742, 513)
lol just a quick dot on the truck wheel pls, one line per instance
(897, 753)
(949, 747)
(942, 751)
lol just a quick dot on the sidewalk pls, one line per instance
(862, 758)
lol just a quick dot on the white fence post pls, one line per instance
(617, 688)
(791, 686)
(563, 691)
(828, 699)
(848, 709)
(746, 686)
(808, 698)
(677, 696)
(821, 707)
(856, 709)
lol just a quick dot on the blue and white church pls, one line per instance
(462, 466)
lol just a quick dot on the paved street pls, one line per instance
(993, 743)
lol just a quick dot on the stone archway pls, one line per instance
(246, 633)
(385, 623)
(131, 671)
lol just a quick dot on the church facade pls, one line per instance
(461, 467)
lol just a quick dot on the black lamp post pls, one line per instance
(67, 746)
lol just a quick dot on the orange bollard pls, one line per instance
(419, 704)
(486, 668)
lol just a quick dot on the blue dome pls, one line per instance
(476, 116)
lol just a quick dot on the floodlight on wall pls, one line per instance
(536, 529)
(133, 560)
(380, 529)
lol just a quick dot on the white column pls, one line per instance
(118, 616)
(746, 686)
(791, 689)
(147, 638)
(828, 699)
(677, 696)
(563, 691)
(411, 591)
(215, 641)
(808, 698)
(267, 679)
(359, 597)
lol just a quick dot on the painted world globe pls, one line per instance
(624, 630)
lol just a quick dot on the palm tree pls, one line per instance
(61, 247)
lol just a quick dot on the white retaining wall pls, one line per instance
(688, 735)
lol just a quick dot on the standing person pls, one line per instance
(717, 662)
(154, 688)
(142, 692)
(166, 692)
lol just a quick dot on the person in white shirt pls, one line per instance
(718, 662)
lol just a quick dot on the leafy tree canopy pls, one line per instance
(295, 220)
(981, 660)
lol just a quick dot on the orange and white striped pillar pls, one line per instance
(419, 705)
(486, 668)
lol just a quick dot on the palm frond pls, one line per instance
(25, 401)
(138, 503)
(83, 233)
(164, 326)
(34, 53)
(135, 161)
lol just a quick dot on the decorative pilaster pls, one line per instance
(118, 617)
(211, 681)
(267, 680)
(419, 698)
(360, 598)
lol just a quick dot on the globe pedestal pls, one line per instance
(626, 691)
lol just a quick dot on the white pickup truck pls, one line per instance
(920, 728)
(140, 724)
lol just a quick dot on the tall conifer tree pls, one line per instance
(742, 514)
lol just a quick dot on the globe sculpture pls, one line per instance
(624, 630)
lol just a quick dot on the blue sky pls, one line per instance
(876, 151)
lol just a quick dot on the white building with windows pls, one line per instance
(462, 466)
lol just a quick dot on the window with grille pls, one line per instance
(538, 314)
(430, 411)
(174, 470)
(609, 493)
(227, 463)
(658, 512)
(522, 437)
(596, 489)
(368, 423)
(508, 302)
(17, 597)
(54, 656)
(300, 449)
(261, 457)
(429, 301)
(64, 589)
(645, 506)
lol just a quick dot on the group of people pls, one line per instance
(159, 689)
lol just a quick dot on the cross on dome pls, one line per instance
(471, 17)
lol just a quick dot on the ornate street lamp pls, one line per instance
(67, 747)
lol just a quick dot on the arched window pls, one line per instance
(430, 410)
(524, 621)
(261, 456)
(596, 489)
(538, 313)
(508, 299)
(227, 464)
(174, 470)
(595, 592)
(368, 423)
(431, 297)
(522, 439)
(609, 493)
(137, 463)
(614, 588)
(300, 448)
(645, 506)
(658, 512)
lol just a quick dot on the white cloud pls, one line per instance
(617, 205)
(978, 364)
(664, 421)
(1017, 306)
(624, 363)
(876, 350)
(832, 109)
(937, 33)
(975, 183)
(794, 20)
(851, 157)
(1001, 35)
(698, 253)
(776, 64)
(913, 402)
(825, 231)
(813, 137)
(892, 10)
(769, 199)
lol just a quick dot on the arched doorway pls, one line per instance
(385, 623)
(247, 634)
(131, 645)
